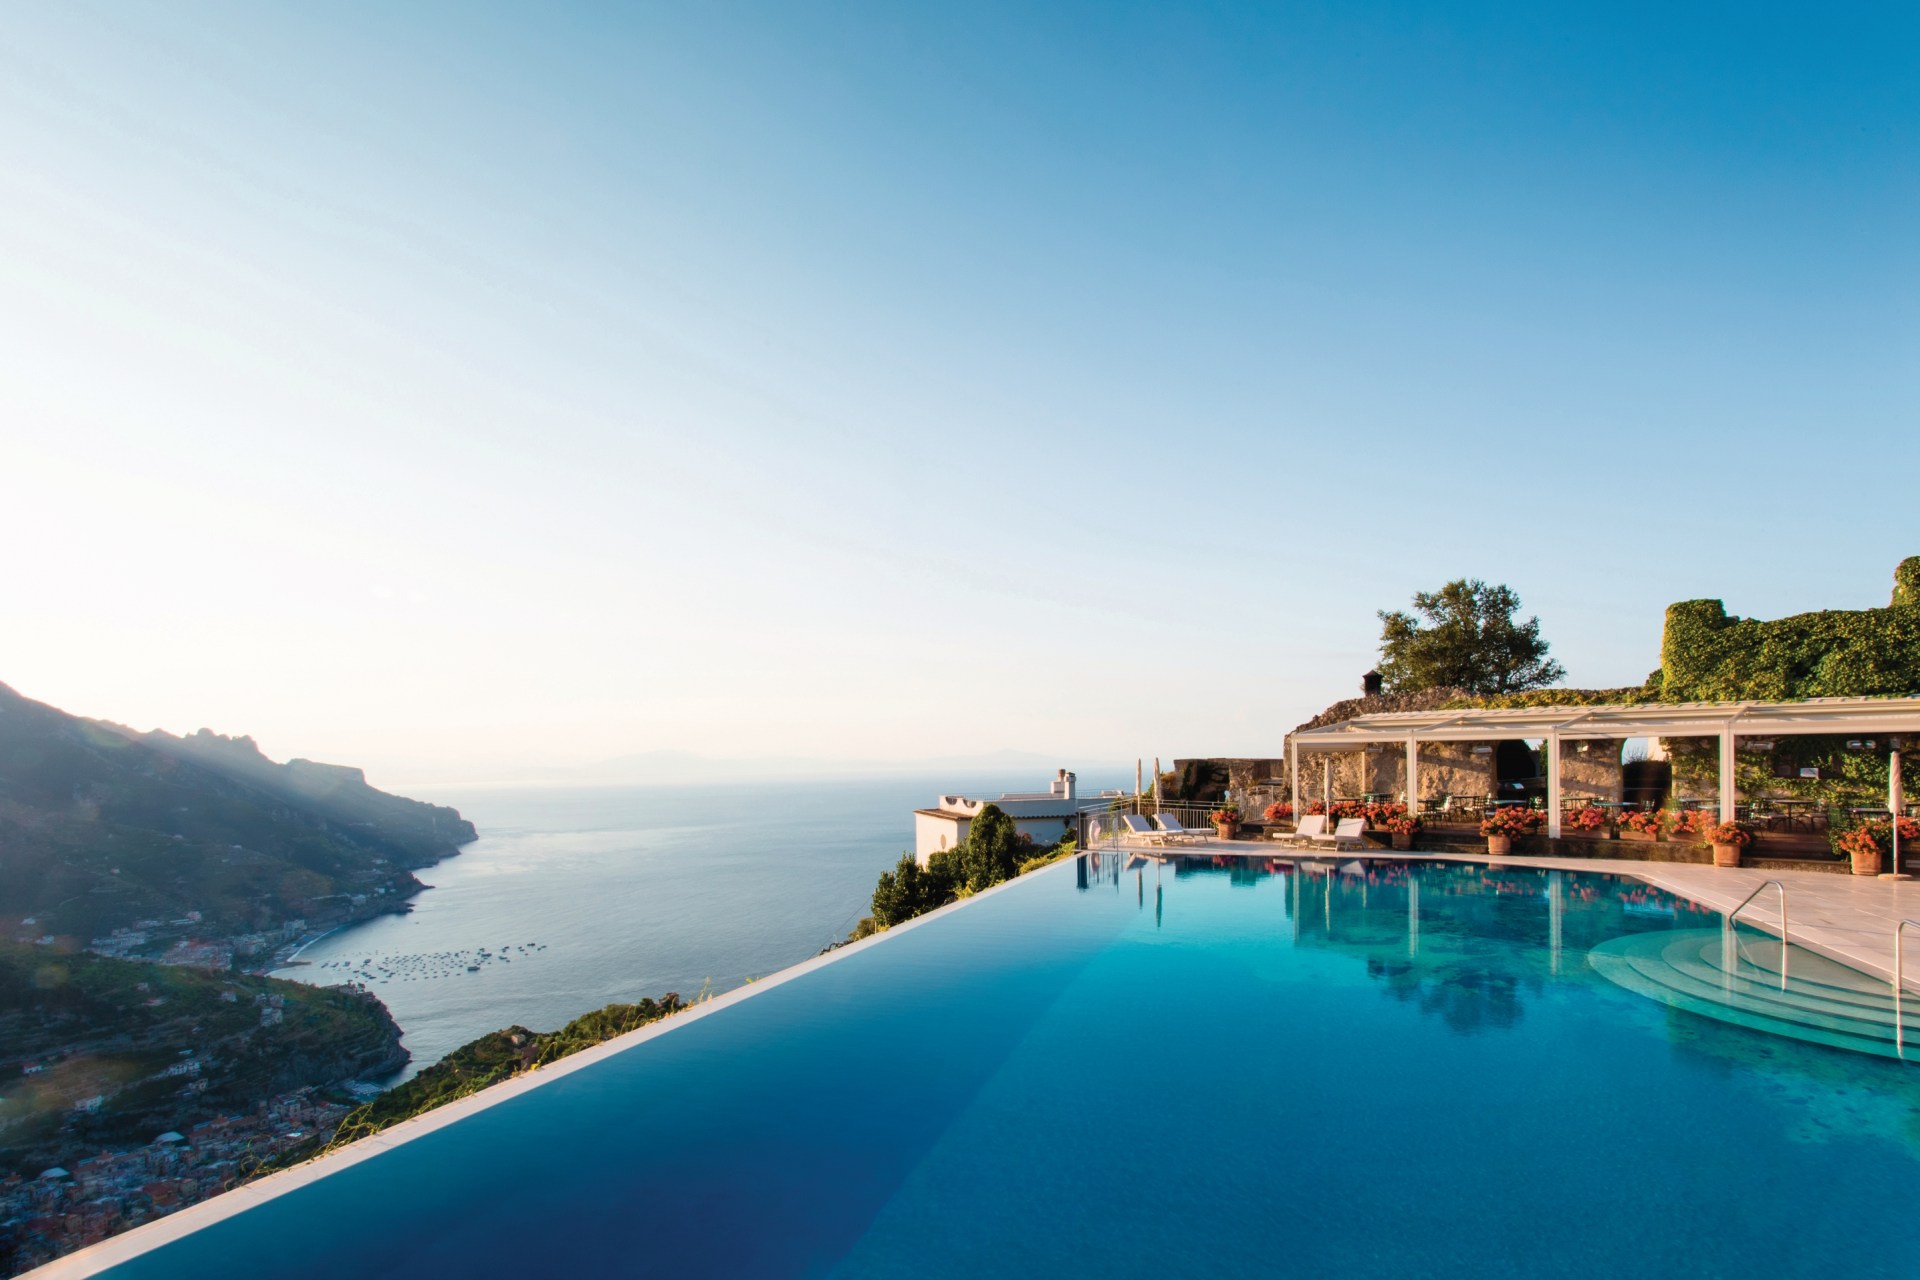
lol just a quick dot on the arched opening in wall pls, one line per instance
(1519, 769)
(1645, 783)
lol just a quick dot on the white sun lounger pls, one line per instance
(1311, 827)
(1351, 831)
(1171, 828)
(1139, 828)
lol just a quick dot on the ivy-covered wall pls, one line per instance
(1708, 656)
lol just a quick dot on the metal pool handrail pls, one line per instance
(1730, 949)
(1899, 988)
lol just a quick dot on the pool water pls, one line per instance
(1117, 1068)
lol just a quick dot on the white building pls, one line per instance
(1042, 816)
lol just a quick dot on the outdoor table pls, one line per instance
(1795, 812)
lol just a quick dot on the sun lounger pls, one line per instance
(1351, 831)
(1139, 828)
(1311, 828)
(1177, 834)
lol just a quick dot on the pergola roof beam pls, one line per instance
(1848, 717)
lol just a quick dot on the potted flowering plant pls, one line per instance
(1503, 826)
(1279, 811)
(1226, 821)
(1403, 827)
(1588, 818)
(1727, 839)
(1318, 806)
(1868, 845)
(1348, 809)
(1861, 849)
(1381, 815)
(1641, 824)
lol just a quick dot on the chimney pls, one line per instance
(1063, 786)
(1370, 684)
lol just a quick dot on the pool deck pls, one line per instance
(1846, 918)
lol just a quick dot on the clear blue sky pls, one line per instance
(459, 389)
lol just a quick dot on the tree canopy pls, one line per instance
(1465, 637)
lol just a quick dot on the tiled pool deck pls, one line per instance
(1847, 918)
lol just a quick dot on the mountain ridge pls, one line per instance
(104, 828)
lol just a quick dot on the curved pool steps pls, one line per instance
(1819, 1001)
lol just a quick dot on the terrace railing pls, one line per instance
(1098, 824)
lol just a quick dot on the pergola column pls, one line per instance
(1413, 777)
(1293, 791)
(1553, 786)
(1727, 798)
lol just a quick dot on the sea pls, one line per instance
(577, 897)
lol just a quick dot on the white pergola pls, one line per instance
(1727, 721)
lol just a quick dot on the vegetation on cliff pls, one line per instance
(498, 1056)
(992, 852)
(104, 828)
(1708, 655)
(97, 1052)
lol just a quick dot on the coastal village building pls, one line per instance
(1042, 816)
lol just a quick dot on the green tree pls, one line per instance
(993, 849)
(1465, 637)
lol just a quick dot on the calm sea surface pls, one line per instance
(573, 898)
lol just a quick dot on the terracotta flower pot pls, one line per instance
(1499, 846)
(1866, 864)
(1647, 837)
(1227, 830)
(1402, 840)
(1726, 855)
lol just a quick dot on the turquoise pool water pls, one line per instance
(1111, 1070)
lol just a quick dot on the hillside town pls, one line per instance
(63, 1209)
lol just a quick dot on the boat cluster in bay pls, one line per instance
(428, 966)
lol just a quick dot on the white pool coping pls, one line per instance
(161, 1232)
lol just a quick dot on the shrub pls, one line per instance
(911, 890)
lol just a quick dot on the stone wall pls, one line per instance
(1453, 768)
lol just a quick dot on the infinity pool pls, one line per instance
(1115, 1069)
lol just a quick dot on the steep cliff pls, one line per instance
(102, 828)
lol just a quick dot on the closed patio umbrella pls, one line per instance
(1896, 804)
